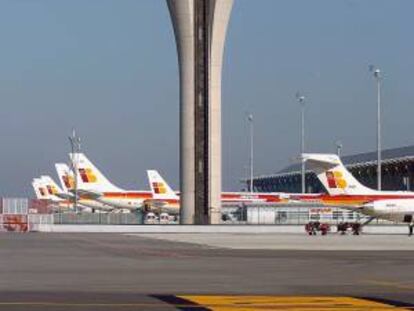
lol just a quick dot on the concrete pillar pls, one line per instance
(182, 17)
(196, 198)
(219, 24)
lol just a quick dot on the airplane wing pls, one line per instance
(65, 196)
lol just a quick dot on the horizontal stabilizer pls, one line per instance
(89, 194)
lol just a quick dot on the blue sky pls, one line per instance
(109, 68)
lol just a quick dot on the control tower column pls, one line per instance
(200, 28)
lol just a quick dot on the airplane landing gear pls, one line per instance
(315, 226)
(410, 229)
(354, 227)
(409, 219)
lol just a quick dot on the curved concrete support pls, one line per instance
(219, 25)
(183, 18)
(183, 21)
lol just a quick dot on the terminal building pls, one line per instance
(397, 173)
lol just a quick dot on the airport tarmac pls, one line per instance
(297, 241)
(64, 271)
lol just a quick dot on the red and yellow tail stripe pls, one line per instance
(87, 175)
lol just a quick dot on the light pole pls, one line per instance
(377, 75)
(339, 146)
(251, 128)
(301, 99)
(75, 145)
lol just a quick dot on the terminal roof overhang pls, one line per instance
(394, 156)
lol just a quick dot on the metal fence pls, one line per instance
(14, 223)
(36, 220)
(266, 215)
(19, 214)
(22, 214)
(98, 218)
(15, 206)
(13, 215)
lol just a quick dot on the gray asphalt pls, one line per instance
(292, 241)
(123, 272)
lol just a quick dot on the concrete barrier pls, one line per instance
(298, 229)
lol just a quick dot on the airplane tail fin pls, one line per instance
(333, 175)
(39, 189)
(89, 177)
(159, 188)
(51, 187)
(65, 175)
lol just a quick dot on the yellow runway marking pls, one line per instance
(74, 304)
(234, 303)
(291, 303)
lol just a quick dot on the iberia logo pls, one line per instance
(51, 189)
(87, 175)
(42, 192)
(159, 188)
(69, 181)
(336, 180)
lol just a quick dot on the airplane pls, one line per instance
(67, 181)
(346, 191)
(92, 184)
(46, 189)
(164, 199)
(169, 201)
